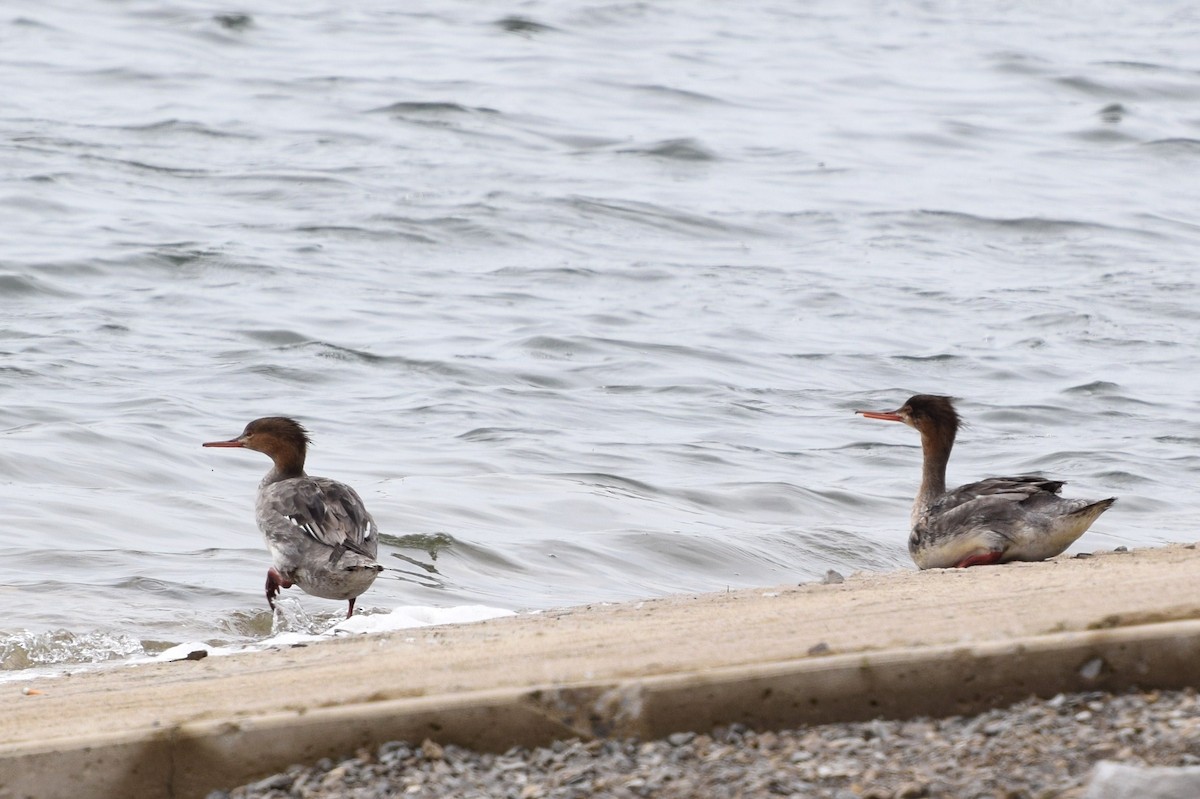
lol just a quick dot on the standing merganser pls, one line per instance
(993, 521)
(318, 530)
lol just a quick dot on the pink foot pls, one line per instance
(275, 581)
(979, 560)
(351, 612)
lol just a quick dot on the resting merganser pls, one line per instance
(318, 530)
(993, 521)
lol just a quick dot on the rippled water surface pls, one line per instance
(579, 296)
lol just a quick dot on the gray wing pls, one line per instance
(998, 503)
(328, 511)
(1029, 490)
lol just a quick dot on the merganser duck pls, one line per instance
(319, 533)
(997, 520)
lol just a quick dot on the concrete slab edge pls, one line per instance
(194, 758)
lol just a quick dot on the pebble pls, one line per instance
(1032, 750)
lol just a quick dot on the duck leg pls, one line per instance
(982, 559)
(351, 611)
(275, 581)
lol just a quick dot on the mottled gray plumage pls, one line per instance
(997, 520)
(320, 535)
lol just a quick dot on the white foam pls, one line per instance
(401, 618)
(181, 651)
(409, 616)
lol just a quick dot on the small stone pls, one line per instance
(734, 733)
(334, 776)
(832, 578)
(681, 738)
(432, 750)
(276, 782)
(1121, 549)
(819, 649)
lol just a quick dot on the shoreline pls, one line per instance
(891, 645)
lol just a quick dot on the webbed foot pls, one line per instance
(275, 581)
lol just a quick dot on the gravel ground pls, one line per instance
(1036, 749)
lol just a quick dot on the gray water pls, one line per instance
(580, 297)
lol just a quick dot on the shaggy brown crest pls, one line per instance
(283, 440)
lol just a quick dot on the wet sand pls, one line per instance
(890, 645)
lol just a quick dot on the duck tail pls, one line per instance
(1094, 509)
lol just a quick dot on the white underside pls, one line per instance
(1029, 543)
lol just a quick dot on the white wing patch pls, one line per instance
(305, 526)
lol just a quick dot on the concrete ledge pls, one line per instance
(893, 645)
(190, 759)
